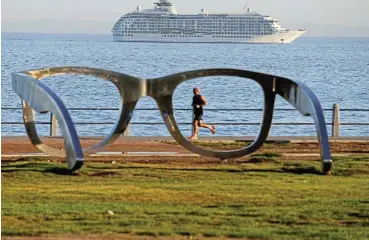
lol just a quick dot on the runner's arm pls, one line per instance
(204, 101)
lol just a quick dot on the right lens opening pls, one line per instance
(235, 109)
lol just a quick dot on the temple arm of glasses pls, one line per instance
(42, 99)
(305, 101)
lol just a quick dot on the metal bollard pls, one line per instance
(336, 121)
(53, 126)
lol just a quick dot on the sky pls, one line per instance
(57, 15)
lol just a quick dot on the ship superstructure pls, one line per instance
(163, 24)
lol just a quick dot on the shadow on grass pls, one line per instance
(61, 171)
(294, 170)
(46, 168)
(36, 167)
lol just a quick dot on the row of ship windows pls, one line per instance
(233, 33)
(195, 27)
(196, 24)
(231, 36)
(199, 25)
(198, 28)
(201, 20)
(192, 36)
(185, 36)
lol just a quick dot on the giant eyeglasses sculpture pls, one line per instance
(36, 96)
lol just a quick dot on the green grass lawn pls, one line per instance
(275, 199)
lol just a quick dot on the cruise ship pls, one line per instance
(163, 23)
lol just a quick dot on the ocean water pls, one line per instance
(336, 69)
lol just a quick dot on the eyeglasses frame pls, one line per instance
(36, 96)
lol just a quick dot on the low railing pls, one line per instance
(335, 123)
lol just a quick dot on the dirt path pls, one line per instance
(305, 151)
(23, 145)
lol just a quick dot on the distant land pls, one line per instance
(95, 27)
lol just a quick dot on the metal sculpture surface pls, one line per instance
(38, 97)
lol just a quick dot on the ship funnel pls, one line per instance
(247, 9)
(204, 12)
(138, 8)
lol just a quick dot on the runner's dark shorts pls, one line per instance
(197, 117)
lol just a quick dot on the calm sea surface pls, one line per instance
(336, 69)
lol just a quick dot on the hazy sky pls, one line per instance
(343, 12)
(338, 12)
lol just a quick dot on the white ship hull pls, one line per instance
(164, 24)
(279, 37)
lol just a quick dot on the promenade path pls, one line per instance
(130, 145)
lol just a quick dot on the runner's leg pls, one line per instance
(195, 129)
(203, 125)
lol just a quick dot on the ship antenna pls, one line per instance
(247, 8)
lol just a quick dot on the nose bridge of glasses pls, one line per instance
(165, 86)
(132, 90)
